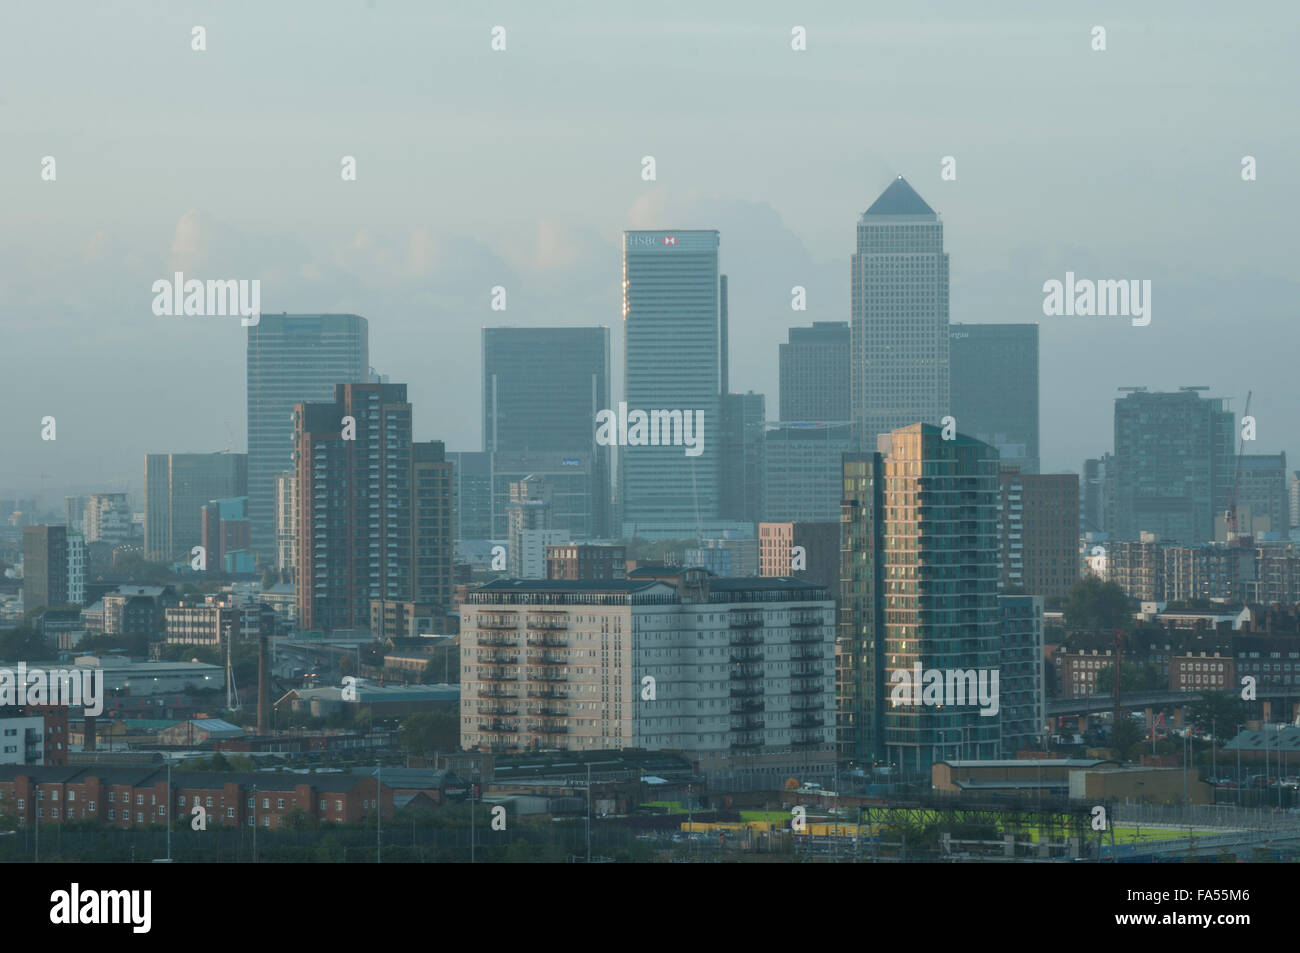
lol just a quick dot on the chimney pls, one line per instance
(263, 686)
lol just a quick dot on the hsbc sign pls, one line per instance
(644, 240)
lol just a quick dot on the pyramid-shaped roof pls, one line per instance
(899, 199)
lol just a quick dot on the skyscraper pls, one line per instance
(994, 373)
(45, 567)
(815, 373)
(672, 363)
(1174, 461)
(1263, 504)
(919, 566)
(899, 328)
(1038, 516)
(743, 450)
(374, 512)
(292, 358)
(542, 390)
(472, 493)
(802, 481)
(176, 488)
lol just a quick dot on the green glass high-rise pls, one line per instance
(919, 585)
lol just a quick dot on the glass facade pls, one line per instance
(899, 328)
(672, 362)
(994, 374)
(919, 558)
(292, 358)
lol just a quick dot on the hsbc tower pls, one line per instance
(672, 348)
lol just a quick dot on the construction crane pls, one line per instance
(1230, 516)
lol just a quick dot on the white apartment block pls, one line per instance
(108, 518)
(663, 661)
(286, 522)
(76, 568)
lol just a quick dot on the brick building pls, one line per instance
(137, 795)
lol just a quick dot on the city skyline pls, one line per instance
(418, 263)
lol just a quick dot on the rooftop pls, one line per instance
(899, 199)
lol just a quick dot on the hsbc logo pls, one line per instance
(650, 240)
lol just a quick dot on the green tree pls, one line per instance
(1093, 604)
(1124, 735)
(427, 732)
(300, 820)
(1220, 712)
(22, 643)
(1136, 678)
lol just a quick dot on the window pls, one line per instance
(92, 807)
(72, 795)
(139, 799)
(207, 802)
(279, 804)
(112, 814)
(54, 812)
(139, 817)
(266, 820)
(112, 797)
(338, 805)
(266, 803)
(322, 804)
(230, 812)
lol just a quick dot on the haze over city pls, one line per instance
(521, 171)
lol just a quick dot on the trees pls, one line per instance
(21, 644)
(1220, 712)
(1137, 677)
(427, 732)
(1093, 604)
(1124, 735)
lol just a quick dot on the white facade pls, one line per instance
(286, 522)
(108, 518)
(76, 568)
(22, 740)
(740, 664)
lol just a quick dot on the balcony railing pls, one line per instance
(547, 623)
(547, 642)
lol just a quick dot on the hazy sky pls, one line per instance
(521, 168)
